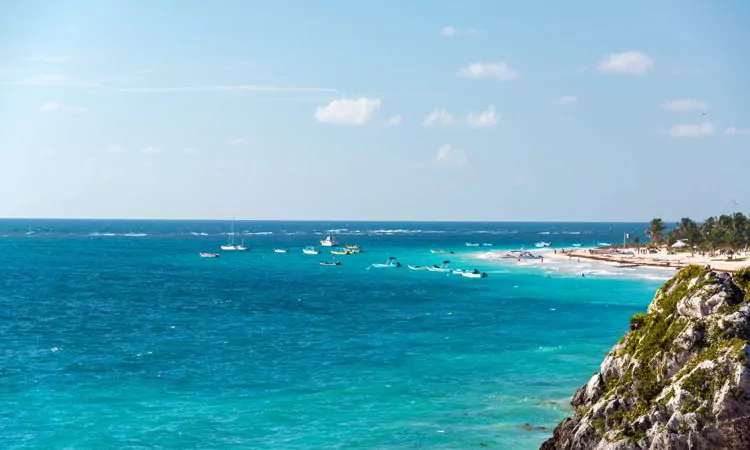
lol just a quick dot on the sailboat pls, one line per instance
(232, 243)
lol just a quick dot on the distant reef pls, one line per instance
(679, 379)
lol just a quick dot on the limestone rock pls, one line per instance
(679, 379)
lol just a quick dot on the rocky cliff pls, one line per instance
(679, 379)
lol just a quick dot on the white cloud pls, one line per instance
(690, 130)
(50, 80)
(50, 106)
(49, 59)
(438, 117)
(393, 121)
(449, 156)
(567, 99)
(632, 63)
(684, 104)
(76, 109)
(447, 31)
(734, 131)
(500, 71)
(115, 149)
(237, 141)
(347, 111)
(151, 151)
(483, 119)
(238, 87)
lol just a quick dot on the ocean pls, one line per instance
(116, 334)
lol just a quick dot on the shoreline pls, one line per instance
(661, 260)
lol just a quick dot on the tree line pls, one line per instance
(727, 231)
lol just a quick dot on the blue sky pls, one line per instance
(439, 110)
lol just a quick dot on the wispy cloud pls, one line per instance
(629, 63)
(50, 80)
(151, 151)
(734, 131)
(567, 99)
(448, 31)
(59, 107)
(235, 87)
(115, 149)
(684, 104)
(475, 32)
(237, 142)
(347, 111)
(449, 156)
(438, 117)
(484, 119)
(500, 71)
(692, 130)
(49, 59)
(50, 107)
(393, 121)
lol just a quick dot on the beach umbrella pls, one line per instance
(679, 244)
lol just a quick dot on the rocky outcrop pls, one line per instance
(679, 379)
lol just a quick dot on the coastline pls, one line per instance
(661, 259)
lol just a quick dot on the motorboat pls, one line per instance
(280, 250)
(330, 263)
(310, 251)
(487, 244)
(443, 269)
(440, 252)
(417, 267)
(520, 254)
(390, 263)
(542, 244)
(341, 251)
(209, 255)
(329, 241)
(353, 247)
(472, 244)
(474, 274)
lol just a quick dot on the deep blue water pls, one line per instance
(113, 341)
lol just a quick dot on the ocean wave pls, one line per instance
(544, 232)
(101, 234)
(135, 234)
(194, 233)
(257, 233)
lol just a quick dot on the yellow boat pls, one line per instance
(341, 252)
(353, 247)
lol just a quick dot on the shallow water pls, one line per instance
(113, 341)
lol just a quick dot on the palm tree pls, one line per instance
(656, 230)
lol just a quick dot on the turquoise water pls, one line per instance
(114, 341)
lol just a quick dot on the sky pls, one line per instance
(391, 110)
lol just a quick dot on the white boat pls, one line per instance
(232, 244)
(486, 244)
(330, 263)
(541, 244)
(280, 250)
(520, 254)
(443, 269)
(472, 244)
(329, 241)
(417, 267)
(474, 274)
(310, 251)
(390, 263)
(209, 255)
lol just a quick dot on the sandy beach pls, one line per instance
(662, 258)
